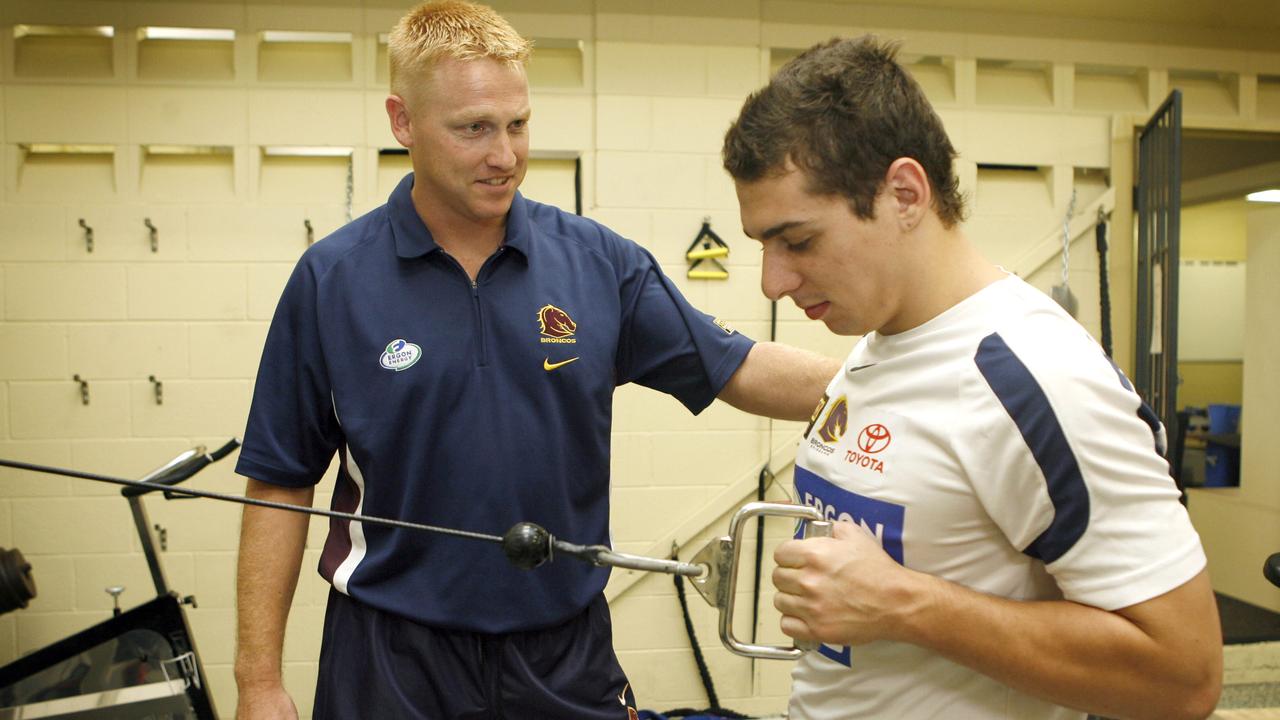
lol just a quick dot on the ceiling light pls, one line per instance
(298, 36)
(182, 33)
(1272, 195)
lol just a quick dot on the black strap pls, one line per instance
(1104, 285)
(701, 662)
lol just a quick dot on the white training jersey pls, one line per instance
(995, 446)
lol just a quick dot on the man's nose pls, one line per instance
(502, 154)
(777, 278)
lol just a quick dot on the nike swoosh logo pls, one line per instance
(861, 367)
(549, 366)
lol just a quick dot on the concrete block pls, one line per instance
(626, 68)
(23, 483)
(631, 460)
(222, 685)
(266, 282)
(1085, 141)
(377, 123)
(206, 407)
(55, 582)
(35, 630)
(648, 513)
(280, 116)
(120, 233)
(664, 675)
(61, 114)
(635, 225)
(131, 351)
(1014, 138)
(734, 72)
(50, 410)
(738, 298)
(244, 234)
(215, 579)
(33, 351)
(711, 459)
(72, 291)
(721, 194)
(122, 457)
(561, 122)
(623, 180)
(33, 233)
(50, 525)
(199, 526)
(302, 638)
(214, 630)
(186, 292)
(300, 681)
(94, 574)
(183, 116)
(692, 124)
(649, 180)
(624, 122)
(226, 350)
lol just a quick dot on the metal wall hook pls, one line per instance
(88, 235)
(158, 387)
(84, 389)
(311, 233)
(155, 234)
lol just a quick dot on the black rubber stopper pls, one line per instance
(1271, 569)
(527, 545)
(16, 584)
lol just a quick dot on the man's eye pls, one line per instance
(798, 245)
(475, 128)
(519, 124)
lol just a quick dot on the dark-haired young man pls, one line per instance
(1013, 544)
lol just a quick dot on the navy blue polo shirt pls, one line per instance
(469, 406)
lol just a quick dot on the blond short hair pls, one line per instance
(450, 29)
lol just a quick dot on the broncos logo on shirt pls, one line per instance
(556, 323)
(837, 421)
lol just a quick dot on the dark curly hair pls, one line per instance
(843, 111)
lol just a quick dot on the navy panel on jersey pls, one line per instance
(1027, 404)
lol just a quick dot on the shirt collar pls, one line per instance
(413, 239)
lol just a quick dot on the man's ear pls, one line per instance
(401, 121)
(909, 188)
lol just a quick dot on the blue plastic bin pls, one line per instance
(1224, 419)
(1222, 461)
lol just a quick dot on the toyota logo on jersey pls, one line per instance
(874, 438)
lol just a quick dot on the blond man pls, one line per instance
(458, 348)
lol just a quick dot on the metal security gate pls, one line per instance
(1158, 204)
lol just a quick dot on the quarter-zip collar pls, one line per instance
(413, 239)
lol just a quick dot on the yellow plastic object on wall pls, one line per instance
(707, 248)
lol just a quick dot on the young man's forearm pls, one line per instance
(779, 381)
